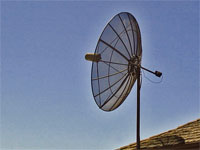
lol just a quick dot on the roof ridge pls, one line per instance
(188, 123)
(174, 128)
(163, 133)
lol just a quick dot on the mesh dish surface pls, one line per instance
(118, 45)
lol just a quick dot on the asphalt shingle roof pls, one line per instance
(188, 133)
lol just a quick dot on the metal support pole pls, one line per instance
(138, 108)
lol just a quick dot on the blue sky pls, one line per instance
(46, 98)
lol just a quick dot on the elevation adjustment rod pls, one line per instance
(157, 73)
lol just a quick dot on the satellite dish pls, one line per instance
(116, 64)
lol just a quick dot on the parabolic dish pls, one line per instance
(113, 76)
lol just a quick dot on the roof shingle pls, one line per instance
(186, 134)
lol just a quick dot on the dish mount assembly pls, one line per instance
(116, 64)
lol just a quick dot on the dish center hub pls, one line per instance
(133, 65)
